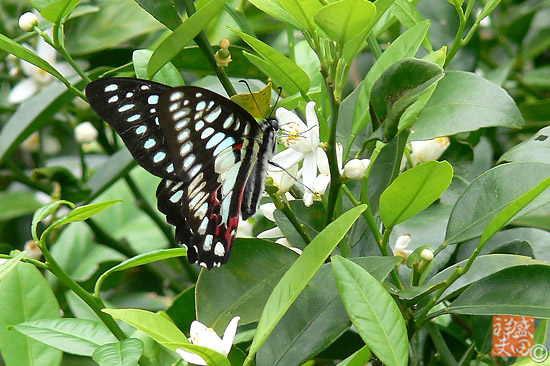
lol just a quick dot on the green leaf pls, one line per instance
(10, 264)
(117, 22)
(373, 312)
(536, 148)
(183, 34)
(482, 267)
(140, 260)
(83, 213)
(274, 73)
(166, 333)
(492, 192)
(413, 191)
(521, 290)
(58, 10)
(44, 212)
(298, 77)
(75, 336)
(344, 19)
(256, 266)
(163, 11)
(18, 50)
(409, 16)
(404, 46)
(115, 167)
(302, 11)
(251, 102)
(397, 89)
(465, 102)
(168, 74)
(277, 11)
(123, 353)
(26, 296)
(361, 357)
(17, 203)
(301, 272)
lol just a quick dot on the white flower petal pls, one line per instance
(308, 198)
(321, 183)
(191, 357)
(268, 209)
(284, 116)
(309, 169)
(211, 340)
(271, 233)
(322, 162)
(197, 328)
(286, 159)
(312, 123)
(22, 91)
(402, 241)
(229, 334)
(339, 156)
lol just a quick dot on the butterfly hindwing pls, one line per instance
(130, 106)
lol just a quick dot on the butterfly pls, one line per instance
(211, 154)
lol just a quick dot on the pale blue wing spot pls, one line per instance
(213, 115)
(186, 148)
(229, 141)
(111, 87)
(228, 122)
(176, 196)
(113, 99)
(175, 96)
(134, 118)
(208, 242)
(214, 140)
(153, 99)
(150, 143)
(200, 105)
(207, 133)
(129, 95)
(189, 161)
(199, 125)
(141, 130)
(126, 107)
(159, 157)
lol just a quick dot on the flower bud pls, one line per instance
(31, 143)
(427, 255)
(401, 245)
(423, 151)
(355, 168)
(27, 21)
(223, 56)
(85, 132)
(33, 251)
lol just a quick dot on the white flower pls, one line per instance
(423, 151)
(27, 21)
(85, 132)
(355, 168)
(427, 255)
(323, 179)
(284, 179)
(31, 143)
(207, 337)
(285, 243)
(268, 209)
(302, 139)
(271, 233)
(36, 77)
(244, 230)
(401, 245)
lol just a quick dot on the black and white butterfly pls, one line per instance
(211, 154)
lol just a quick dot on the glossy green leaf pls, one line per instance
(360, 357)
(373, 312)
(167, 75)
(123, 353)
(344, 19)
(302, 11)
(166, 333)
(404, 46)
(413, 191)
(251, 102)
(75, 336)
(256, 266)
(397, 89)
(464, 102)
(301, 272)
(521, 290)
(57, 10)
(83, 213)
(279, 62)
(163, 11)
(317, 318)
(183, 34)
(17, 204)
(9, 265)
(26, 296)
(409, 16)
(277, 11)
(483, 266)
(490, 193)
(273, 72)
(44, 212)
(115, 167)
(117, 22)
(33, 114)
(141, 260)
(536, 148)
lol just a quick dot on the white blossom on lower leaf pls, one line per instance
(203, 336)
(424, 151)
(401, 244)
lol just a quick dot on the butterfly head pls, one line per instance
(270, 124)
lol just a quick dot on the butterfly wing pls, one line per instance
(214, 145)
(130, 106)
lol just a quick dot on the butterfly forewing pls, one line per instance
(204, 146)
(130, 106)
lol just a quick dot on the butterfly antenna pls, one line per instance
(276, 101)
(252, 94)
(293, 177)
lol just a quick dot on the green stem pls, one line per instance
(206, 49)
(367, 215)
(457, 43)
(284, 207)
(59, 45)
(374, 46)
(27, 260)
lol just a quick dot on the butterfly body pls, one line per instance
(210, 153)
